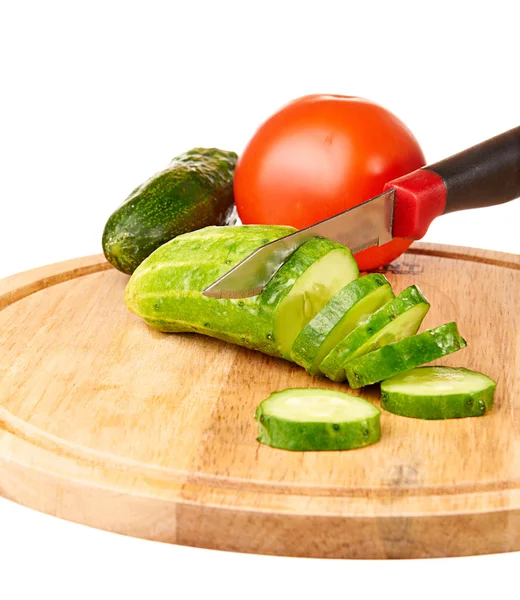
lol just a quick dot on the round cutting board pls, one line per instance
(109, 423)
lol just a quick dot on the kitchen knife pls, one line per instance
(483, 175)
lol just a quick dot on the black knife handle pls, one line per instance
(483, 175)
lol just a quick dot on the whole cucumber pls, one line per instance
(195, 191)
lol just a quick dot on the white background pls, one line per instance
(97, 96)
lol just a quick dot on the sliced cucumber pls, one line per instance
(404, 355)
(438, 393)
(316, 419)
(344, 311)
(166, 289)
(398, 319)
(303, 285)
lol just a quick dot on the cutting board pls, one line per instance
(106, 422)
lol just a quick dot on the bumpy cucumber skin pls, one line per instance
(333, 365)
(166, 289)
(437, 407)
(287, 435)
(284, 279)
(313, 335)
(195, 191)
(404, 355)
(315, 436)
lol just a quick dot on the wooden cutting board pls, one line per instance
(106, 422)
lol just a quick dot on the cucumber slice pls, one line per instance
(404, 355)
(316, 419)
(398, 319)
(344, 311)
(303, 285)
(438, 393)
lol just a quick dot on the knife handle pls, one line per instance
(483, 175)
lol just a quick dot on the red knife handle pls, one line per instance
(483, 175)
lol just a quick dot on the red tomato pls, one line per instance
(318, 156)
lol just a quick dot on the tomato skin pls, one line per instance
(320, 155)
(378, 256)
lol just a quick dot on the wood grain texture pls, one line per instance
(106, 422)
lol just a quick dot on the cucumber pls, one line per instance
(316, 419)
(438, 393)
(303, 285)
(346, 309)
(195, 191)
(404, 355)
(166, 289)
(398, 319)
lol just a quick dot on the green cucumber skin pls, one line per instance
(438, 407)
(333, 365)
(287, 435)
(313, 335)
(457, 406)
(404, 355)
(194, 191)
(314, 436)
(166, 289)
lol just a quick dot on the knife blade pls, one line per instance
(365, 225)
